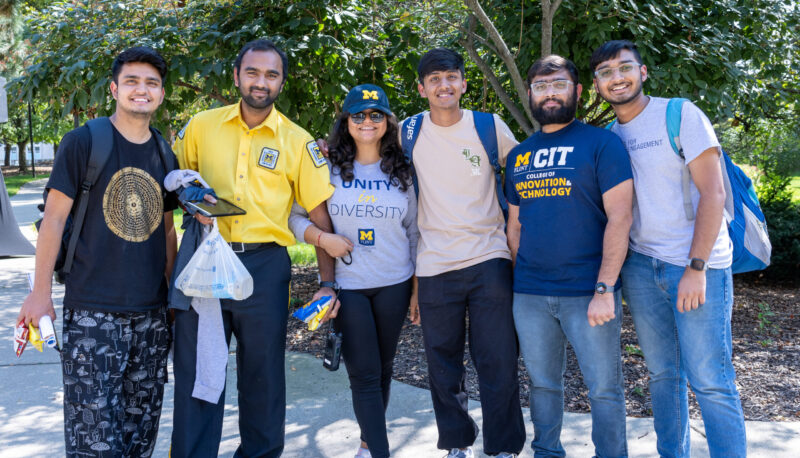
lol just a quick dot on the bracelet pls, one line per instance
(318, 238)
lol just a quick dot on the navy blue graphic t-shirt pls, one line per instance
(558, 180)
(121, 253)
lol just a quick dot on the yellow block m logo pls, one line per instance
(365, 235)
(523, 159)
(370, 94)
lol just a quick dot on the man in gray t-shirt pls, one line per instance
(677, 278)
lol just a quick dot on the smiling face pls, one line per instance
(259, 78)
(368, 132)
(138, 89)
(620, 87)
(443, 89)
(554, 105)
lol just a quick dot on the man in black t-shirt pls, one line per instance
(115, 337)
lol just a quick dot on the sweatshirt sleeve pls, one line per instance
(410, 224)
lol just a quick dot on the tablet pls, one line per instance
(221, 208)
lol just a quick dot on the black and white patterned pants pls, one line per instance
(115, 368)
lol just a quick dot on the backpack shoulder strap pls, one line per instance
(674, 107)
(611, 124)
(484, 125)
(409, 132)
(102, 141)
(164, 150)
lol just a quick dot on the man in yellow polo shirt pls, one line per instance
(255, 157)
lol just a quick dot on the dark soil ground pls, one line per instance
(766, 347)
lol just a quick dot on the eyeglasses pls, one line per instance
(559, 86)
(608, 72)
(375, 116)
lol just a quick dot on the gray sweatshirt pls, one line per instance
(380, 220)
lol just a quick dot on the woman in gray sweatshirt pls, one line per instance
(374, 214)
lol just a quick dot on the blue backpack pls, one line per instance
(747, 226)
(484, 125)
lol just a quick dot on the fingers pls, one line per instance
(210, 199)
(323, 146)
(203, 219)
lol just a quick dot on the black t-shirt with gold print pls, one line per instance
(121, 253)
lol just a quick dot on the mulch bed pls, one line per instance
(766, 346)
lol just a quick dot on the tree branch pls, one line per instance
(465, 31)
(502, 52)
(518, 115)
(199, 90)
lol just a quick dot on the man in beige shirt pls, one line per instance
(463, 265)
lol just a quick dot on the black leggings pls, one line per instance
(370, 321)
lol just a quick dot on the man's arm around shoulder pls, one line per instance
(40, 302)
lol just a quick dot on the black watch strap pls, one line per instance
(329, 284)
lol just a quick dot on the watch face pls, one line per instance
(697, 264)
(600, 288)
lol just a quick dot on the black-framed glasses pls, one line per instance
(559, 86)
(608, 72)
(376, 116)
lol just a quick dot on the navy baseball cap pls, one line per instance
(364, 97)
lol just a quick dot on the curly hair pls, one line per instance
(342, 152)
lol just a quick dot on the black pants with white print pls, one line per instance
(115, 368)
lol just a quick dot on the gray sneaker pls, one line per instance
(506, 455)
(458, 453)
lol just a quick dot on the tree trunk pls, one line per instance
(549, 8)
(22, 157)
(76, 119)
(7, 159)
(55, 150)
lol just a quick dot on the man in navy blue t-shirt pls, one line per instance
(570, 195)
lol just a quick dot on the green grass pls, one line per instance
(14, 182)
(302, 254)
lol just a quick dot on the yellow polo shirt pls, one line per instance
(262, 170)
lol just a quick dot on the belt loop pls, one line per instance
(235, 245)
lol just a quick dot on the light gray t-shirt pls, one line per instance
(660, 228)
(381, 221)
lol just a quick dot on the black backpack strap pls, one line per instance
(102, 142)
(165, 154)
(164, 150)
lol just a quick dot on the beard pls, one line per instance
(561, 115)
(256, 103)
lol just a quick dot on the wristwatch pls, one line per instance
(602, 288)
(698, 264)
(329, 284)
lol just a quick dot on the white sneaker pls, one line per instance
(363, 453)
(458, 453)
(506, 455)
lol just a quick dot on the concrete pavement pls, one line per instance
(319, 417)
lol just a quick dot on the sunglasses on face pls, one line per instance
(608, 72)
(559, 86)
(376, 117)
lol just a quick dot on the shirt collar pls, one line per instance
(235, 113)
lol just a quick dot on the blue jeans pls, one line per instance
(544, 325)
(692, 346)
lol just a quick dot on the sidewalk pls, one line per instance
(319, 416)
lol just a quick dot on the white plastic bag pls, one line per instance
(214, 271)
